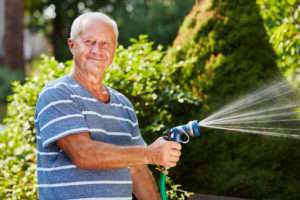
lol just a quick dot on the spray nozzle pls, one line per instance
(182, 133)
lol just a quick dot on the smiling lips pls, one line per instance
(99, 58)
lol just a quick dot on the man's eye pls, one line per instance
(105, 44)
(88, 42)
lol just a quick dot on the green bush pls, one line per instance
(7, 76)
(137, 72)
(17, 141)
(226, 52)
(282, 21)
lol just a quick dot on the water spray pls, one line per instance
(271, 111)
(183, 133)
(180, 134)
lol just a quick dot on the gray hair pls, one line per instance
(77, 27)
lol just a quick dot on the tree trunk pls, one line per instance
(58, 37)
(13, 38)
(61, 28)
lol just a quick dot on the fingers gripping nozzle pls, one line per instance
(183, 133)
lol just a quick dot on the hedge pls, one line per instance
(226, 53)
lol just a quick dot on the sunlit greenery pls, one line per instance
(7, 76)
(222, 49)
(282, 21)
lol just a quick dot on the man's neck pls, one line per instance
(94, 84)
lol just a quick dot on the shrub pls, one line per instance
(282, 21)
(139, 73)
(17, 150)
(226, 52)
(7, 76)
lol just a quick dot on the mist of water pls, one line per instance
(273, 110)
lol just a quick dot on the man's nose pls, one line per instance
(96, 49)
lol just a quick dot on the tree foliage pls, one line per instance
(7, 76)
(54, 18)
(282, 20)
(226, 52)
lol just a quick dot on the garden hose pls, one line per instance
(162, 186)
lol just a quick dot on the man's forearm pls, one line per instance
(100, 155)
(144, 185)
(108, 156)
(89, 154)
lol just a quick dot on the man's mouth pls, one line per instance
(96, 62)
(98, 59)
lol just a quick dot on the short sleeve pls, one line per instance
(57, 115)
(137, 138)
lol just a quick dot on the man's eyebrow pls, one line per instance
(86, 37)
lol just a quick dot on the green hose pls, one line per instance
(162, 186)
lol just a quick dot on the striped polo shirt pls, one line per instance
(65, 107)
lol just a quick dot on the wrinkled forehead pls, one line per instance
(93, 22)
(97, 29)
(88, 25)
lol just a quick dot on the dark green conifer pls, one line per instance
(222, 51)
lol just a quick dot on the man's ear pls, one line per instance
(71, 44)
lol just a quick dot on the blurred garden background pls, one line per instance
(176, 61)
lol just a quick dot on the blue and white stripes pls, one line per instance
(65, 108)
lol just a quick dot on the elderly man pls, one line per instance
(88, 140)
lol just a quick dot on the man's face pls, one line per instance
(93, 49)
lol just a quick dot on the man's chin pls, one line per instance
(96, 64)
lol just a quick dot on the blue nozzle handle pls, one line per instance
(183, 133)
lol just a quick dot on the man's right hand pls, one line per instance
(163, 152)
